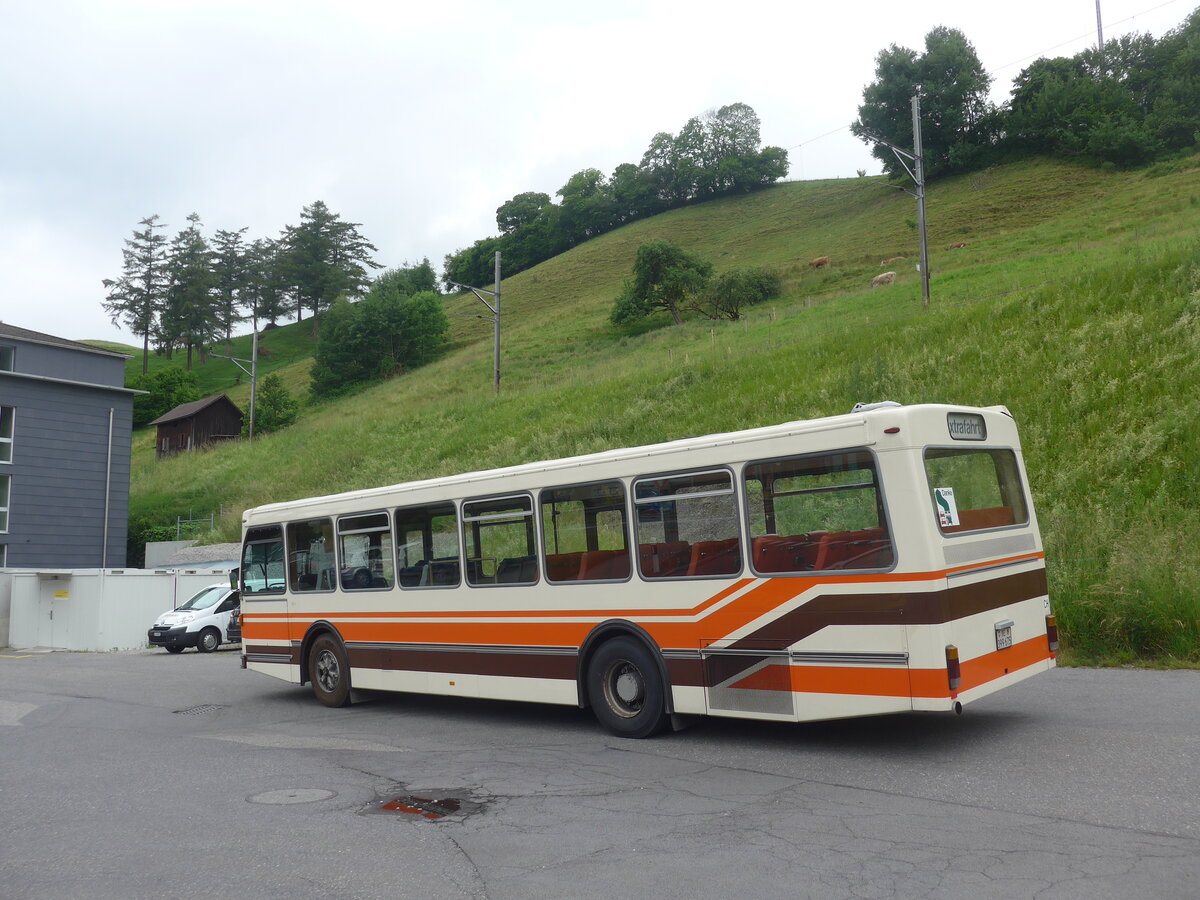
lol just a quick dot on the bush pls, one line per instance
(737, 288)
(274, 407)
(384, 334)
(167, 389)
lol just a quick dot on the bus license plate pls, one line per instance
(1003, 635)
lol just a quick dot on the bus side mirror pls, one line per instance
(235, 577)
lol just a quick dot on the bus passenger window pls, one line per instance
(812, 513)
(974, 489)
(500, 541)
(311, 564)
(427, 549)
(365, 544)
(262, 561)
(584, 533)
(687, 525)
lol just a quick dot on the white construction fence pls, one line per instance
(92, 609)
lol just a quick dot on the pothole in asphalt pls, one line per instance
(427, 805)
(292, 795)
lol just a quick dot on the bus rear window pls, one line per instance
(976, 489)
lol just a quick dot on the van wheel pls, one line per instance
(329, 671)
(174, 649)
(209, 640)
(625, 689)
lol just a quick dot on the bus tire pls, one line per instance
(625, 689)
(329, 671)
(209, 640)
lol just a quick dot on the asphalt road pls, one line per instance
(146, 775)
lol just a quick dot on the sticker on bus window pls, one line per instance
(946, 507)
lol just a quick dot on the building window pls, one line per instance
(6, 433)
(3, 555)
(6, 358)
(5, 481)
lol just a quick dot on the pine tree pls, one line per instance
(191, 317)
(137, 297)
(231, 260)
(325, 258)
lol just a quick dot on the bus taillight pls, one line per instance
(1052, 631)
(953, 671)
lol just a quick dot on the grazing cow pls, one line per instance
(819, 262)
(882, 279)
(894, 259)
(957, 246)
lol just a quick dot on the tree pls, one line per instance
(137, 297)
(587, 208)
(166, 389)
(274, 407)
(191, 317)
(409, 278)
(384, 334)
(231, 262)
(325, 258)
(523, 209)
(954, 104)
(266, 289)
(737, 288)
(665, 277)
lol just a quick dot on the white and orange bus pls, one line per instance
(876, 562)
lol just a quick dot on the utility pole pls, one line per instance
(252, 372)
(494, 309)
(918, 178)
(1099, 29)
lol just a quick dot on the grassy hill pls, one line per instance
(1076, 303)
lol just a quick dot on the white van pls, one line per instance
(206, 621)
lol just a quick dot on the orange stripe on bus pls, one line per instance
(895, 682)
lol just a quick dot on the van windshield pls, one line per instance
(206, 598)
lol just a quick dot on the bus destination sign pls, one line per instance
(967, 427)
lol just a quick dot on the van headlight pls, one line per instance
(187, 617)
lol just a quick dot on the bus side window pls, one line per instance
(427, 553)
(365, 545)
(499, 536)
(812, 513)
(311, 564)
(584, 533)
(687, 525)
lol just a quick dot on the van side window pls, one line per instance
(262, 561)
(311, 565)
(819, 512)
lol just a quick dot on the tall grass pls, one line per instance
(1079, 309)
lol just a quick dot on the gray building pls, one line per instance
(65, 425)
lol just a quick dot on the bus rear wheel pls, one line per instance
(625, 689)
(329, 671)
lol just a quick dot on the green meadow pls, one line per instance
(1075, 303)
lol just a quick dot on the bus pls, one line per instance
(881, 561)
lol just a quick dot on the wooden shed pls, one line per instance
(190, 426)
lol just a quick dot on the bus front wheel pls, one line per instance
(625, 689)
(329, 671)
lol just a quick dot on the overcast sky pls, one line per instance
(418, 120)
